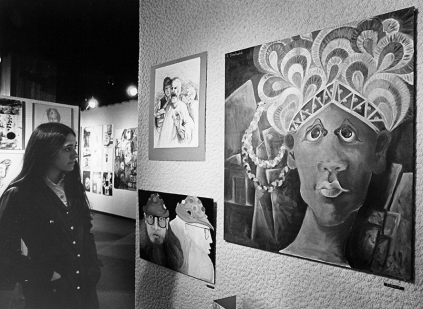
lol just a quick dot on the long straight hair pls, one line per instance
(44, 143)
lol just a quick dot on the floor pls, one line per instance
(115, 240)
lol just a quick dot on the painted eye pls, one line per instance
(314, 134)
(347, 134)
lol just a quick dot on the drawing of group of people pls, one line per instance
(183, 243)
(176, 115)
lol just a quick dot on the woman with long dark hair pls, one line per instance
(46, 206)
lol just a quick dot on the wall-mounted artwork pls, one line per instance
(86, 180)
(11, 124)
(86, 136)
(319, 145)
(43, 113)
(96, 183)
(108, 184)
(125, 168)
(178, 232)
(86, 159)
(177, 109)
(10, 166)
(108, 135)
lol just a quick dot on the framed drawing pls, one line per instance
(177, 109)
(178, 232)
(43, 113)
(12, 129)
(319, 145)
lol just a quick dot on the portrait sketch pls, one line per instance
(43, 113)
(178, 232)
(319, 145)
(177, 108)
(11, 124)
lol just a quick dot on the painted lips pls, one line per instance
(331, 189)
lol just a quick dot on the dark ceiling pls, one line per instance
(94, 44)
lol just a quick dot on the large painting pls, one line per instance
(319, 145)
(178, 232)
(177, 110)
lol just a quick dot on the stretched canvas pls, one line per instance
(178, 232)
(319, 145)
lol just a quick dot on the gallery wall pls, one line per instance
(172, 30)
(121, 116)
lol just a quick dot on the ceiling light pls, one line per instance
(132, 91)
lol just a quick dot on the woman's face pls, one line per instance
(65, 158)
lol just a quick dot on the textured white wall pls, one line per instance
(173, 29)
(122, 115)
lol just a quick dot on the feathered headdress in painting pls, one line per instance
(365, 68)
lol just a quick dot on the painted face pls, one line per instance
(200, 235)
(156, 228)
(335, 154)
(176, 91)
(168, 90)
(65, 158)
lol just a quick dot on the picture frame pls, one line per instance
(182, 137)
(12, 124)
(43, 113)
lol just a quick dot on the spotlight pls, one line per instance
(132, 91)
(92, 103)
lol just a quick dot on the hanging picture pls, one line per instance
(125, 168)
(86, 180)
(96, 137)
(177, 110)
(108, 184)
(107, 159)
(86, 159)
(178, 232)
(86, 136)
(108, 135)
(43, 113)
(11, 124)
(319, 139)
(96, 183)
(10, 166)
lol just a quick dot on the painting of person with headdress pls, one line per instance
(326, 157)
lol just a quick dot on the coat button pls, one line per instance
(78, 287)
(77, 271)
(74, 242)
(78, 255)
(71, 227)
(51, 221)
(54, 290)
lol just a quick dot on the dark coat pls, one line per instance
(58, 239)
